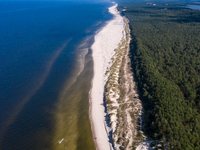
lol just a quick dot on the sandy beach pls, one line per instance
(103, 50)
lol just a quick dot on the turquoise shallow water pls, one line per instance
(46, 71)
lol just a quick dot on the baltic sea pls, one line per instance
(46, 73)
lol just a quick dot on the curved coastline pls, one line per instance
(102, 51)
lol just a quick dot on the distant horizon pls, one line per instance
(59, 0)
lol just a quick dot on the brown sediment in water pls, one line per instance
(72, 124)
(14, 114)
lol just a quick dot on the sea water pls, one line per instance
(46, 72)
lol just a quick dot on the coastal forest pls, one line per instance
(165, 57)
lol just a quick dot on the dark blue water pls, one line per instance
(41, 47)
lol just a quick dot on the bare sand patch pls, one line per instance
(103, 49)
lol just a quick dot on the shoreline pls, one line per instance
(103, 49)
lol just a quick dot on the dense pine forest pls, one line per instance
(165, 54)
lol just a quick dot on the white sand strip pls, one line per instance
(103, 50)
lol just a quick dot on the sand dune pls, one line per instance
(103, 50)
